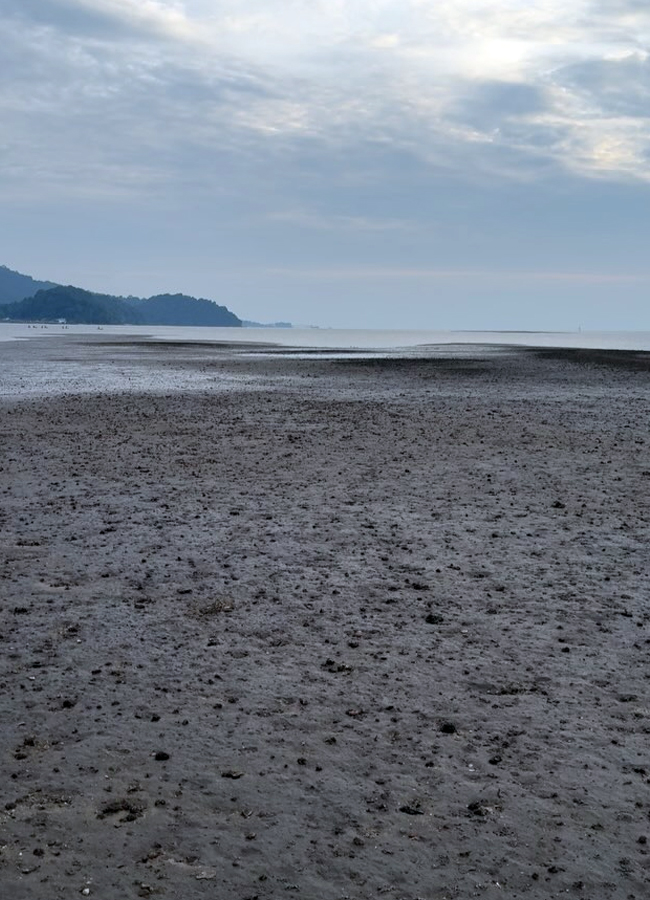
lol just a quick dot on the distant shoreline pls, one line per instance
(50, 363)
(333, 339)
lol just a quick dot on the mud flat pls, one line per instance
(324, 629)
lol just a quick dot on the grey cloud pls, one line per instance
(486, 105)
(74, 77)
(86, 118)
(619, 87)
(91, 18)
(68, 16)
(616, 7)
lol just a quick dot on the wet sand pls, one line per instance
(325, 629)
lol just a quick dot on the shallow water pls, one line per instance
(342, 339)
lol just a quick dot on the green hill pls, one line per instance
(178, 309)
(80, 307)
(74, 305)
(15, 287)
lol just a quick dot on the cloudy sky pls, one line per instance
(362, 163)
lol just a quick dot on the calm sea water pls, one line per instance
(335, 339)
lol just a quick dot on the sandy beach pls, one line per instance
(309, 628)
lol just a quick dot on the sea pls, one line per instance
(342, 341)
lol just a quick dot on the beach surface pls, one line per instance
(350, 628)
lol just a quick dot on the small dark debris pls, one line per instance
(132, 808)
(476, 808)
(412, 809)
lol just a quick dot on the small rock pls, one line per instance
(206, 875)
(412, 809)
(476, 808)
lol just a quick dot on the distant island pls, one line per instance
(23, 299)
(248, 324)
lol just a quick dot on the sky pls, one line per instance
(479, 164)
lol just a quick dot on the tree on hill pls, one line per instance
(74, 305)
(81, 307)
(179, 309)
